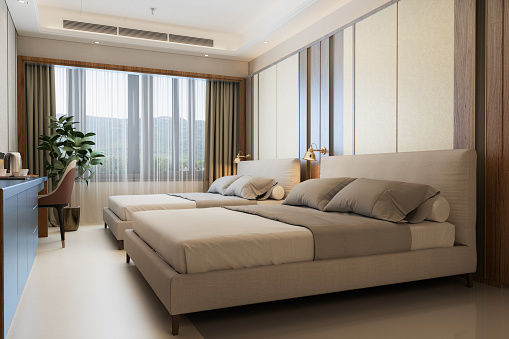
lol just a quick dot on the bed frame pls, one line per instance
(453, 172)
(285, 171)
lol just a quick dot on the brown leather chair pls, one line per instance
(61, 196)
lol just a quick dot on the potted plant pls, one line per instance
(63, 146)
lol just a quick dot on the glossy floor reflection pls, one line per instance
(87, 291)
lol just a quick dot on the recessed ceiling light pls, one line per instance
(23, 2)
(265, 42)
(96, 42)
(206, 55)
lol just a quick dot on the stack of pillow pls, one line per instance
(248, 187)
(386, 200)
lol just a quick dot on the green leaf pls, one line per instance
(89, 135)
(96, 162)
(67, 148)
(52, 118)
(59, 165)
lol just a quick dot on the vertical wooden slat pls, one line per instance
(324, 97)
(337, 97)
(249, 117)
(494, 147)
(243, 115)
(464, 73)
(314, 106)
(303, 112)
(504, 256)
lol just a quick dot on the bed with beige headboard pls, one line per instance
(452, 172)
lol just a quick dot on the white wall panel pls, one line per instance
(255, 117)
(12, 86)
(425, 75)
(348, 73)
(267, 121)
(287, 112)
(4, 109)
(375, 82)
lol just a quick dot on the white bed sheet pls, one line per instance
(212, 239)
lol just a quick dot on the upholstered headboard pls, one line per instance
(285, 171)
(453, 172)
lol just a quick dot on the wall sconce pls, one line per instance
(310, 155)
(239, 157)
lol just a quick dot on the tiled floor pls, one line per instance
(88, 291)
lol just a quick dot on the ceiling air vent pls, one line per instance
(88, 27)
(137, 33)
(182, 39)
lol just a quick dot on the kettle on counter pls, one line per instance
(12, 162)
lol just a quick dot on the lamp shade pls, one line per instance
(310, 155)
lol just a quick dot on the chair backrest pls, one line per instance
(63, 191)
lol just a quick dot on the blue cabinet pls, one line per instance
(18, 228)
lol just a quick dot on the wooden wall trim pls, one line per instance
(494, 138)
(464, 73)
(504, 201)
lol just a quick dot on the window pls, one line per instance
(150, 127)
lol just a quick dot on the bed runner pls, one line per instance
(205, 200)
(339, 235)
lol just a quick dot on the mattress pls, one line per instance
(125, 205)
(212, 239)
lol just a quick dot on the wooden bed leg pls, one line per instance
(120, 244)
(127, 258)
(175, 321)
(470, 279)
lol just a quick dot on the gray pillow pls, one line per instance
(220, 185)
(316, 193)
(385, 200)
(435, 209)
(249, 187)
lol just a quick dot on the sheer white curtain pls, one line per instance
(151, 129)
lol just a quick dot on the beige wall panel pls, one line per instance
(12, 85)
(255, 116)
(4, 109)
(287, 117)
(347, 91)
(375, 82)
(425, 75)
(267, 114)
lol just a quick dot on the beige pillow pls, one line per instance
(385, 200)
(278, 192)
(316, 193)
(434, 209)
(221, 184)
(249, 187)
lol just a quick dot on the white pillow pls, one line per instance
(221, 184)
(278, 192)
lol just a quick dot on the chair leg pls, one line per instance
(60, 210)
(175, 321)
(120, 244)
(105, 226)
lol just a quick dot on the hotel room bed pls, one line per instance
(119, 213)
(190, 271)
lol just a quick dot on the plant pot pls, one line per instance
(71, 218)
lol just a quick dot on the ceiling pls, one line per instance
(241, 29)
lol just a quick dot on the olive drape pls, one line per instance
(222, 130)
(40, 103)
